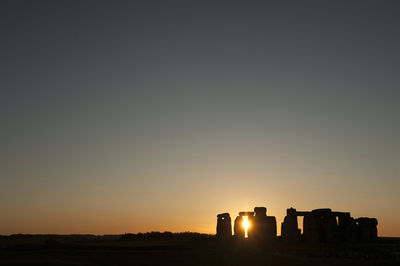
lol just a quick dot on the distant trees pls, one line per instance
(155, 235)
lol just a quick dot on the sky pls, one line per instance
(135, 116)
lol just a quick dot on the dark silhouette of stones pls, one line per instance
(238, 229)
(289, 228)
(248, 214)
(263, 227)
(323, 225)
(367, 229)
(224, 226)
(347, 227)
(311, 229)
(320, 225)
(374, 229)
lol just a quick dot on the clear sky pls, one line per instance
(128, 116)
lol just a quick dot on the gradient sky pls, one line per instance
(128, 116)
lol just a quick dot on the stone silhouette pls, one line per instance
(289, 228)
(347, 227)
(224, 227)
(320, 225)
(323, 225)
(263, 227)
(238, 228)
(366, 229)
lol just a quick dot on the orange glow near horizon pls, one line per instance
(246, 225)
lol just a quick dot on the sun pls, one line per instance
(246, 225)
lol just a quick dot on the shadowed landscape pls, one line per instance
(186, 249)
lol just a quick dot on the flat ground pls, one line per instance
(204, 251)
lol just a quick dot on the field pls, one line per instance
(188, 250)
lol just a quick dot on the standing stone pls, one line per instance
(263, 226)
(320, 226)
(374, 229)
(367, 229)
(224, 226)
(238, 229)
(311, 228)
(347, 228)
(289, 228)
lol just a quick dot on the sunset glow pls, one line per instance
(246, 225)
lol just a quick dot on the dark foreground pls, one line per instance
(80, 250)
